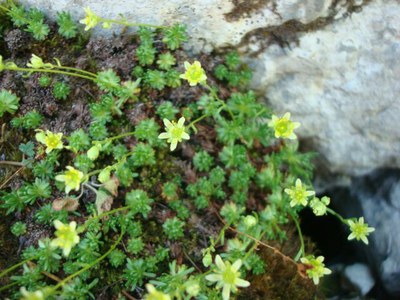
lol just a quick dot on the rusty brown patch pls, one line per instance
(245, 8)
(288, 32)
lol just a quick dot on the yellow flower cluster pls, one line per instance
(359, 230)
(37, 63)
(316, 267)
(72, 179)
(299, 194)
(66, 236)
(283, 127)
(175, 132)
(227, 277)
(91, 19)
(194, 73)
(50, 139)
(153, 294)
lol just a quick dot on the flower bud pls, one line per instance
(93, 153)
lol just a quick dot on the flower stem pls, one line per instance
(30, 70)
(17, 265)
(191, 125)
(214, 94)
(221, 233)
(117, 137)
(6, 287)
(4, 8)
(126, 23)
(301, 252)
(251, 250)
(334, 213)
(77, 70)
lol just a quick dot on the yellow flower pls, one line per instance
(107, 25)
(359, 230)
(153, 294)
(319, 205)
(72, 179)
(66, 236)
(299, 194)
(94, 151)
(91, 19)
(227, 277)
(50, 139)
(316, 268)
(194, 73)
(37, 63)
(37, 295)
(283, 126)
(175, 132)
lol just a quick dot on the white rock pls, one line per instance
(342, 84)
(207, 20)
(360, 275)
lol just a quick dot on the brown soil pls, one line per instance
(282, 281)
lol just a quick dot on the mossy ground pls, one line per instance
(283, 279)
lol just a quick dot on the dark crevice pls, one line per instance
(288, 32)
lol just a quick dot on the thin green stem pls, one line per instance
(62, 282)
(77, 70)
(332, 212)
(191, 125)
(214, 94)
(222, 233)
(30, 70)
(93, 173)
(4, 8)
(301, 252)
(197, 120)
(6, 287)
(16, 266)
(125, 23)
(118, 137)
(251, 249)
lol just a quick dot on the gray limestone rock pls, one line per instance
(342, 84)
(376, 196)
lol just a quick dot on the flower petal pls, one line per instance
(181, 121)
(167, 123)
(242, 283)
(214, 277)
(185, 136)
(220, 264)
(351, 236)
(72, 225)
(226, 290)
(58, 224)
(174, 143)
(237, 264)
(164, 135)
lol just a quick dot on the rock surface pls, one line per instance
(211, 23)
(377, 198)
(360, 275)
(341, 83)
(339, 79)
